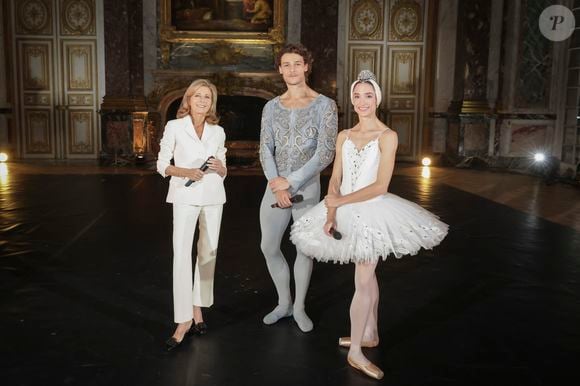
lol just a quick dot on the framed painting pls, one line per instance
(210, 21)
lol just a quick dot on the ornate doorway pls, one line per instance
(388, 38)
(56, 81)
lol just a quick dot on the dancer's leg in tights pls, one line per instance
(363, 305)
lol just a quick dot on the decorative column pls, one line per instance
(124, 108)
(470, 104)
(444, 74)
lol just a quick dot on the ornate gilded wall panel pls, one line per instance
(38, 128)
(406, 20)
(366, 19)
(80, 100)
(79, 95)
(362, 57)
(33, 17)
(77, 17)
(79, 66)
(404, 71)
(37, 99)
(404, 125)
(56, 82)
(36, 61)
(81, 132)
(402, 103)
(365, 57)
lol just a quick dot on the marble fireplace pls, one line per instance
(242, 95)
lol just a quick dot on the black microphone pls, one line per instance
(203, 168)
(293, 199)
(336, 234)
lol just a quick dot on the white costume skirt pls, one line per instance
(370, 230)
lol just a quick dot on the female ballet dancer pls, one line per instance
(371, 223)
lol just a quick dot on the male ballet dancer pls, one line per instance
(297, 142)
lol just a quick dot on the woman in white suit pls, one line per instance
(197, 196)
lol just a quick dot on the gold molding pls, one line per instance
(130, 103)
(366, 20)
(475, 107)
(38, 122)
(403, 11)
(34, 17)
(411, 59)
(402, 104)
(169, 34)
(40, 51)
(78, 118)
(82, 52)
(75, 8)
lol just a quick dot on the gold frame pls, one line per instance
(169, 34)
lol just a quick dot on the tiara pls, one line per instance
(366, 75)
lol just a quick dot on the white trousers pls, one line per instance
(199, 291)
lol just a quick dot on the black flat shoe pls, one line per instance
(199, 328)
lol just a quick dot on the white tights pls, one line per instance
(363, 310)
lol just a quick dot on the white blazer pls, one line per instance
(181, 143)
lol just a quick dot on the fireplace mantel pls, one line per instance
(171, 84)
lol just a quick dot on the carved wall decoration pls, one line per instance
(36, 60)
(34, 17)
(79, 87)
(81, 132)
(404, 65)
(365, 58)
(402, 103)
(403, 124)
(37, 99)
(366, 22)
(362, 57)
(57, 81)
(38, 130)
(77, 17)
(79, 67)
(406, 21)
(80, 99)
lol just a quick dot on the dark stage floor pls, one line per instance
(86, 294)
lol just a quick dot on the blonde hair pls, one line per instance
(184, 109)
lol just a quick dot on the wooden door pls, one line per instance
(56, 85)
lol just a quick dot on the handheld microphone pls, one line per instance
(293, 199)
(203, 168)
(336, 234)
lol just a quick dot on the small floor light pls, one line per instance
(426, 161)
(426, 172)
(539, 157)
(3, 157)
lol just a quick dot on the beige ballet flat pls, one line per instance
(369, 370)
(345, 342)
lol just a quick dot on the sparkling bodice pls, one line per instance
(359, 166)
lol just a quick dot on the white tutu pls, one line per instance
(370, 230)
